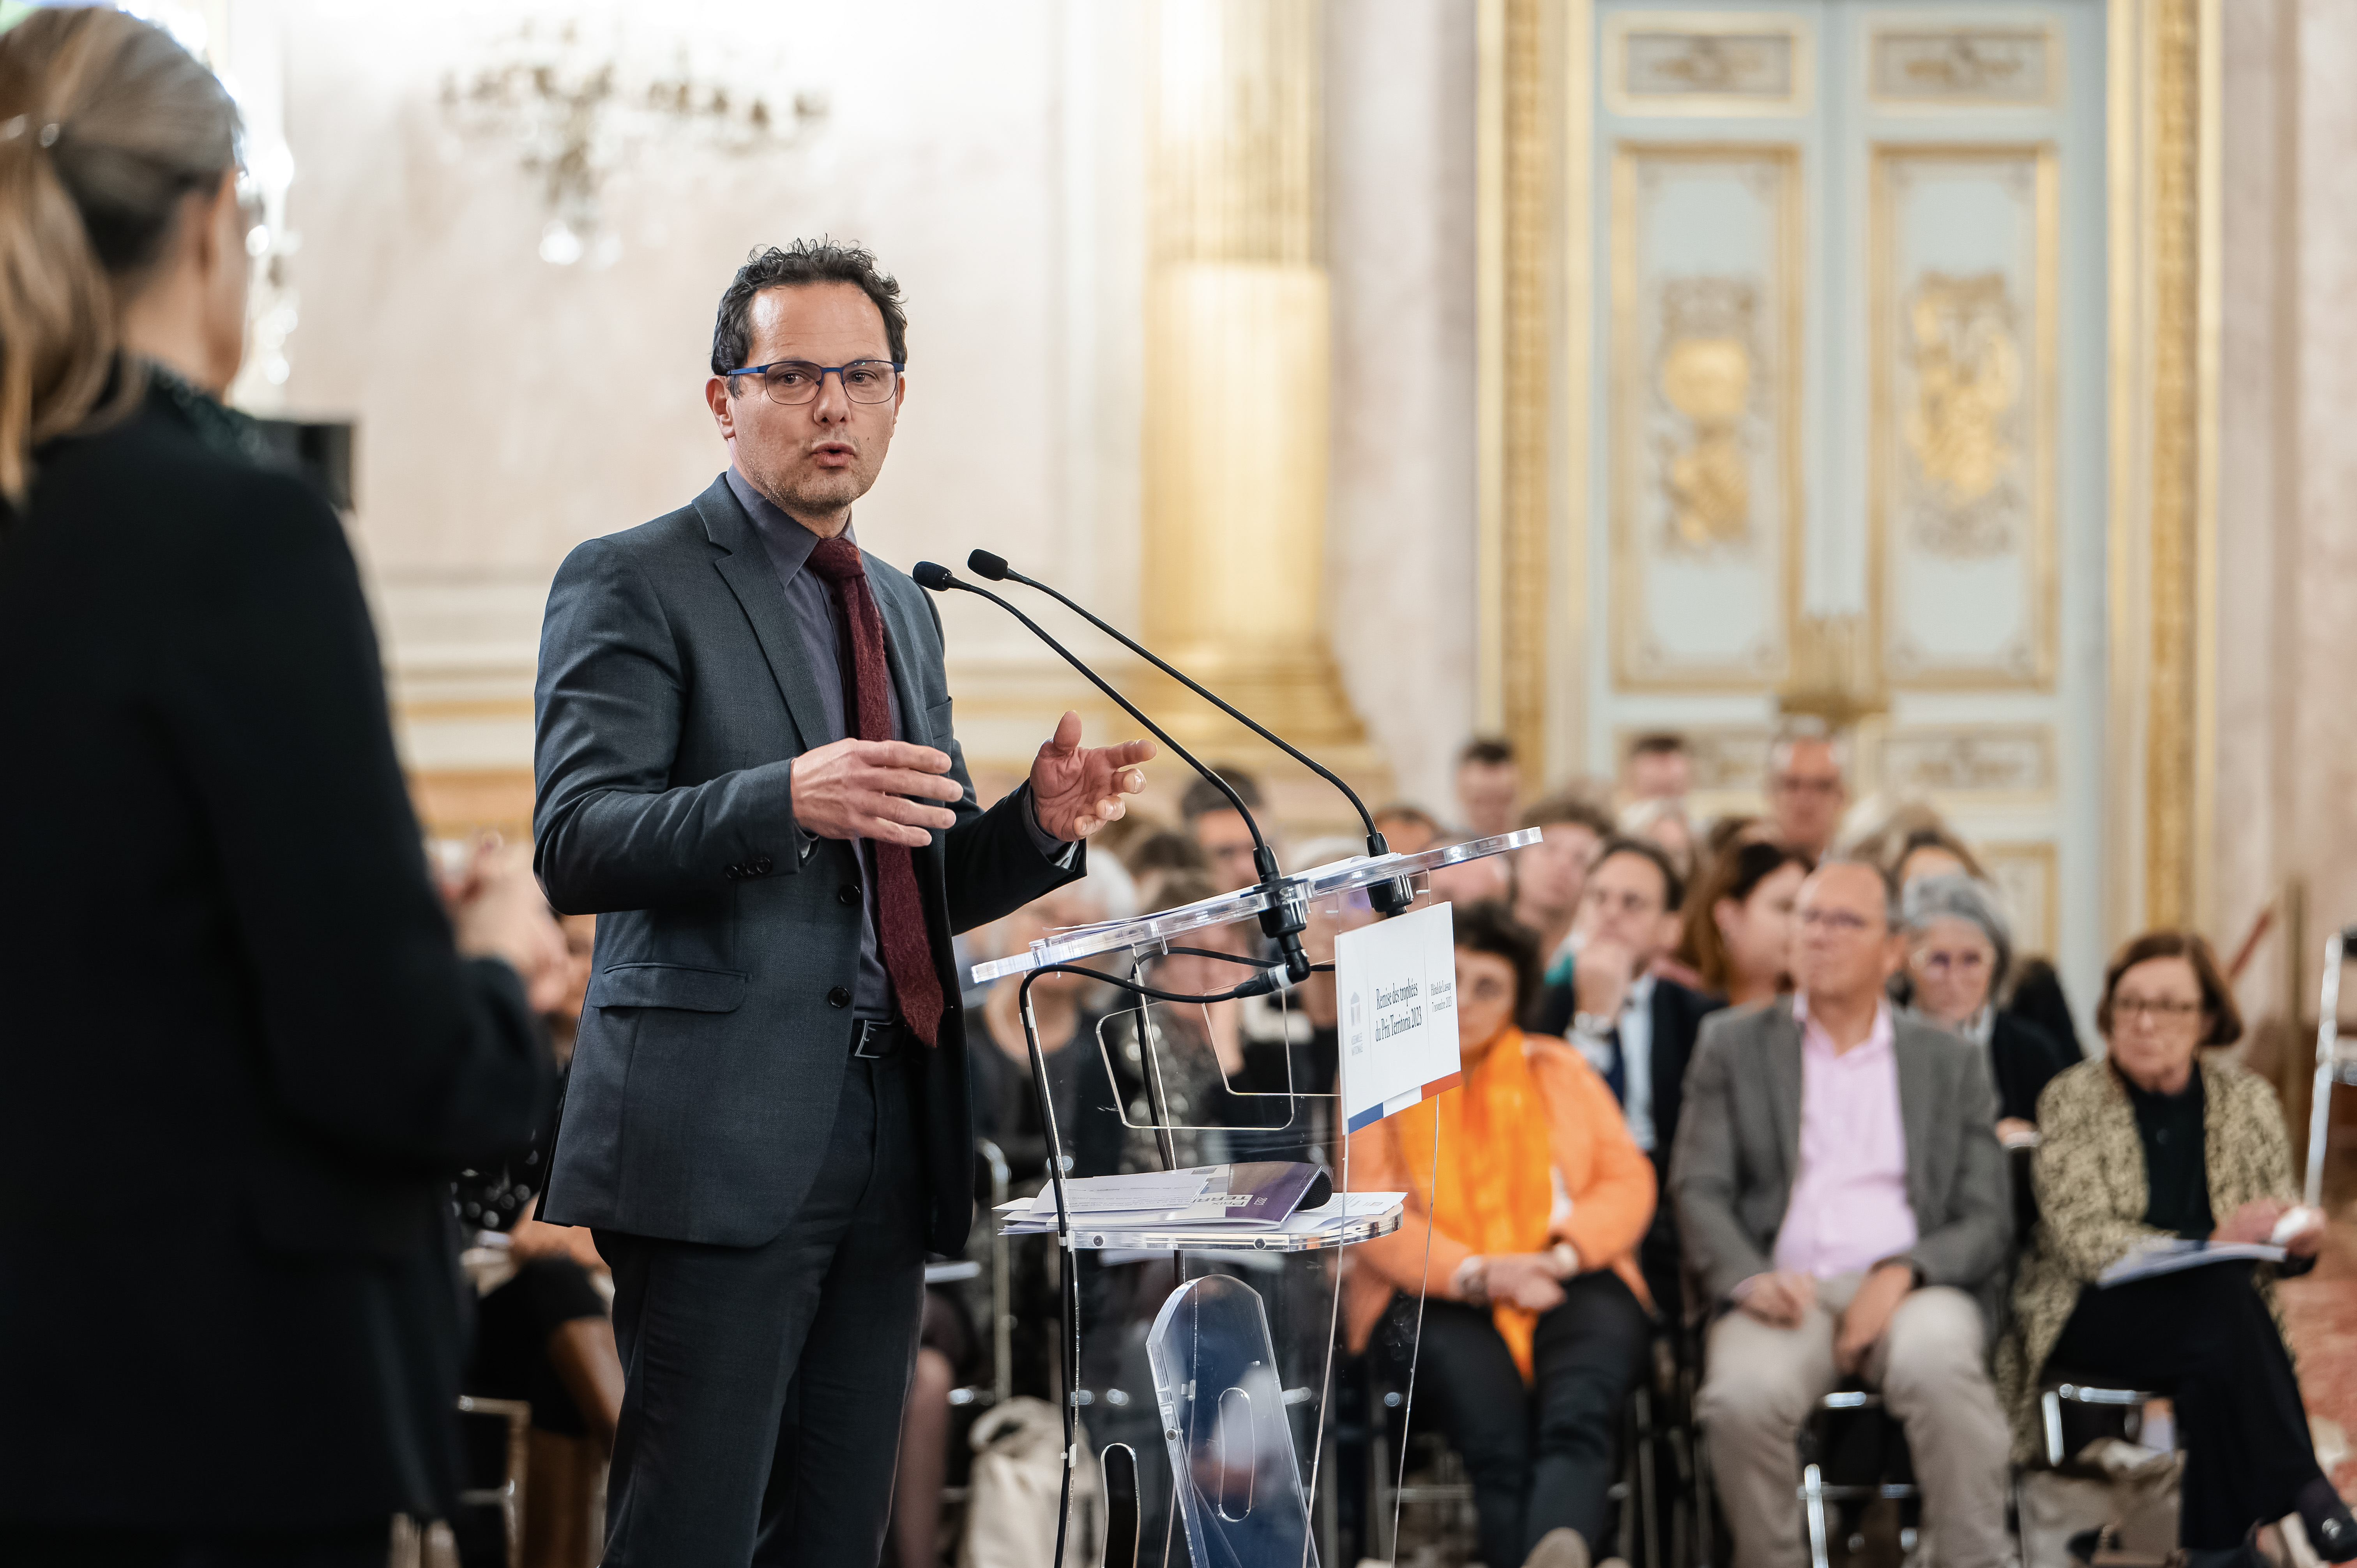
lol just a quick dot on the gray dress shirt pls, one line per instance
(812, 605)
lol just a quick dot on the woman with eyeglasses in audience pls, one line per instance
(2154, 1143)
(1959, 949)
(1534, 1199)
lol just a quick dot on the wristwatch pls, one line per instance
(1565, 1258)
(1471, 1279)
(1597, 1025)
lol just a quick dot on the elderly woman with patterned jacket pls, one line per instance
(2150, 1144)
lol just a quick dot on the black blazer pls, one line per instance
(673, 695)
(2023, 1059)
(241, 1058)
(1677, 1014)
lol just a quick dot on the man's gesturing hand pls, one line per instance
(1077, 790)
(854, 790)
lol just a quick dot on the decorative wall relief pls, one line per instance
(1704, 413)
(1703, 62)
(1705, 375)
(2016, 761)
(1962, 291)
(1949, 67)
(1962, 431)
(580, 100)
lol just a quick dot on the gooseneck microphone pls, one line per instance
(1388, 898)
(1288, 913)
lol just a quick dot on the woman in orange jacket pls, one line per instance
(1531, 1199)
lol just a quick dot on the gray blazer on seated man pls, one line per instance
(747, 769)
(1842, 1201)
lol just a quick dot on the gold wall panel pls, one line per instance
(1913, 65)
(1993, 764)
(1962, 300)
(1706, 414)
(1705, 63)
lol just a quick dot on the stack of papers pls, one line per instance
(2168, 1257)
(1260, 1195)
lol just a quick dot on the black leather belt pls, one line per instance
(873, 1039)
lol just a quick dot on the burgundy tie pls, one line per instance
(907, 952)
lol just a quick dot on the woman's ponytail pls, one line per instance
(105, 123)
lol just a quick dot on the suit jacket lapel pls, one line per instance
(1917, 1092)
(1782, 1060)
(746, 569)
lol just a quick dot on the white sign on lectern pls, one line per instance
(1396, 984)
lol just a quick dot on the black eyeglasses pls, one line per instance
(793, 381)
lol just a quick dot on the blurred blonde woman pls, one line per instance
(243, 1055)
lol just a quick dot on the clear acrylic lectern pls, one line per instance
(1212, 1346)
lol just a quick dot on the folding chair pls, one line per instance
(2334, 1067)
(1888, 1470)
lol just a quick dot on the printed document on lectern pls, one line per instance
(1396, 985)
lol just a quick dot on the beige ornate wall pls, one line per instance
(518, 389)
(2286, 743)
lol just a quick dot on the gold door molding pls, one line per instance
(2161, 554)
(2160, 394)
(1961, 467)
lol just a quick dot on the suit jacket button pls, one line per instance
(849, 894)
(838, 997)
(761, 866)
(735, 872)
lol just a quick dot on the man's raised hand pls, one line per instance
(857, 790)
(1076, 789)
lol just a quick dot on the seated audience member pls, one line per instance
(1488, 785)
(1066, 1008)
(1737, 931)
(1737, 828)
(2037, 997)
(1806, 790)
(1632, 1026)
(1932, 851)
(1156, 856)
(1844, 1204)
(1663, 821)
(1959, 948)
(1006, 1111)
(1536, 1324)
(2155, 1142)
(1408, 829)
(1549, 874)
(1221, 831)
(1659, 768)
(544, 1336)
(1471, 882)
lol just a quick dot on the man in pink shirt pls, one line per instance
(1844, 1207)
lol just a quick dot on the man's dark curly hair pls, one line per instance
(805, 261)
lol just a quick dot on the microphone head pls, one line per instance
(932, 575)
(983, 564)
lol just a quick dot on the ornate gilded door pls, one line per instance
(1845, 414)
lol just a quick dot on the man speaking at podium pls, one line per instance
(744, 765)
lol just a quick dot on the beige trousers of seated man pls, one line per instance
(1761, 1383)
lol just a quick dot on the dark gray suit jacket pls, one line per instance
(1739, 1141)
(673, 694)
